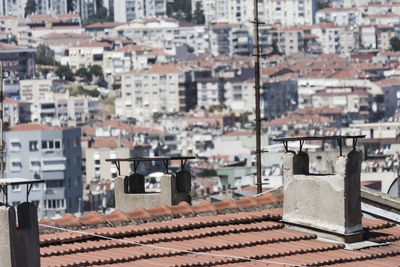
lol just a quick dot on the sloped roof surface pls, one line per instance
(226, 234)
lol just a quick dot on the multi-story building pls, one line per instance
(16, 8)
(158, 89)
(128, 10)
(50, 103)
(18, 60)
(288, 12)
(230, 39)
(100, 149)
(336, 39)
(289, 40)
(166, 34)
(85, 55)
(240, 94)
(210, 92)
(53, 154)
(16, 111)
(278, 98)
(339, 16)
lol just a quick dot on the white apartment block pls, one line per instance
(382, 19)
(337, 39)
(287, 12)
(290, 40)
(50, 104)
(166, 34)
(240, 95)
(226, 11)
(339, 16)
(230, 39)
(16, 8)
(158, 89)
(97, 169)
(377, 36)
(85, 55)
(128, 10)
(210, 92)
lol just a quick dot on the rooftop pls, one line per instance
(246, 232)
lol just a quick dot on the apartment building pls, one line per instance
(161, 88)
(335, 39)
(230, 39)
(16, 111)
(288, 12)
(166, 34)
(210, 92)
(50, 103)
(85, 55)
(278, 98)
(240, 95)
(339, 16)
(18, 60)
(289, 40)
(53, 154)
(128, 10)
(100, 149)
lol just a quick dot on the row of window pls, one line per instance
(46, 145)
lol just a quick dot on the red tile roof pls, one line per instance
(32, 127)
(104, 143)
(235, 233)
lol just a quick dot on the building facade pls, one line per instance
(35, 151)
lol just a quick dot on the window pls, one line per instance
(51, 144)
(15, 146)
(44, 144)
(35, 164)
(16, 165)
(54, 204)
(16, 188)
(33, 146)
(57, 144)
(97, 162)
(35, 187)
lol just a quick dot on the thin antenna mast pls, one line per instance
(257, 87)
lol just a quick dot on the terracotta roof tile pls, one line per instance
(93, 217)
(140, 214)
(118, 216)
(227, 203)
(161, 210)
(181, 209)
(68, 220)
(255, 234)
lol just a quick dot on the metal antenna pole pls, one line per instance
(257, 87)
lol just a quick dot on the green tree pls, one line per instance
(30, 7)
(180, 10)
(322, 5)
(100, 16)
(198, 15)
(84, 73)
(96, 70)
(44, 55)
(65, 73)
(395, 43)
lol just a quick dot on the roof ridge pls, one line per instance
(94, 219)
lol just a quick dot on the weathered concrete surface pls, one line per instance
(130, 201)
(7, 234)
(327, 202)
(19, 247)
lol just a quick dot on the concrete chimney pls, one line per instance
(130, 191)
(328, 205)
(19, 246)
